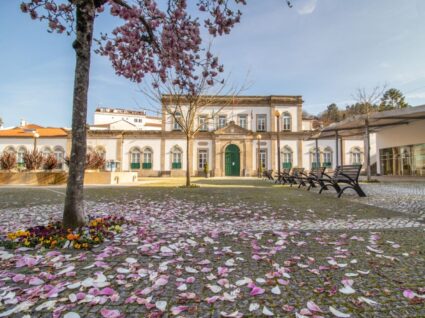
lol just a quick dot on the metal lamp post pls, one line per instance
(36, 135)
(277, 114)
(259, 155)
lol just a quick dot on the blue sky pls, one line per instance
(321, 49)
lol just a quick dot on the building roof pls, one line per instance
(29, 130)
(154, 124)
(355, 125)
(120, 111)
(227, 100)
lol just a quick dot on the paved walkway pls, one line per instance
(188, 258)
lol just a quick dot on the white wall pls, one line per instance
(154, 144)
(233, 112)
(110, 145)
(323, 143)
(28, 143)
(169, 144)
(293, 110)
(402, 135)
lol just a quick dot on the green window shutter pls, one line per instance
(287, 165)
(327, 164)
(147, 165)
(176, 165)
(135, 165)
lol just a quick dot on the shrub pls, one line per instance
(94, 160)
(7, 160)
(50, 162)
(33, 159)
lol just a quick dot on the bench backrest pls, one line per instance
(317, 172)
(350, 171)
(297, 171)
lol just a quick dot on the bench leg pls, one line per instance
(356, 188)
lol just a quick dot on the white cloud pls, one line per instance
(305, 6)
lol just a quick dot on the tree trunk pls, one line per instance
(188, 161)
(73, 215)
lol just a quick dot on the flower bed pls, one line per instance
(54, 235)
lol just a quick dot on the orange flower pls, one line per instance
(72, 237)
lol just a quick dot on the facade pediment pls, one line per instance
(232, 129)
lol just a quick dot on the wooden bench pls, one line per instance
(312, 178)
(268, 175)
(348, 175)
(295, 175)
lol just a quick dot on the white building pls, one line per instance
(234, 140)
(122, 119)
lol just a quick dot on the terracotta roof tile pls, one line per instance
(26, 131)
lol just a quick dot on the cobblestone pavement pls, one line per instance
(184, 258)
(407, 198)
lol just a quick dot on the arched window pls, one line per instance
(286, 121)
(135, 154)
(327, 157)
(287, 156)
(101, 151)
(59, 153)
(147, 158)
(315, 157)
(20, 156)
(10, 149)
(46, 151)
(176, 157)
(356, 156)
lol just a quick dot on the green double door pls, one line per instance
(232, 161)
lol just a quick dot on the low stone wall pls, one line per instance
(60, 177)
(33, 177)
(105, 177)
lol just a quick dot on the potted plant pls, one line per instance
(206, 170)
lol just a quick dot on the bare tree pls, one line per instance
(368, 103)
(184, 98)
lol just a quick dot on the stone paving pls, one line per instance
(186, 258)
(402, 197)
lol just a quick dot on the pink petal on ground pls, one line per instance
(288, 308)
(18, 278)
(256, 291)
(107, 313)
(409, 294)
(36, 281)
(107, 291)
(313, 307)
(178, 309)
(190, 280)
(212, 300)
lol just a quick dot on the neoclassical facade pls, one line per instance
(233, 140)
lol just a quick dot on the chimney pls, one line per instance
(23, 123)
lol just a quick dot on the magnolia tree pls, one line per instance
(155, 37)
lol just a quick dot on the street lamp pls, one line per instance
(36, 135)
(259, 155)
(277, 114)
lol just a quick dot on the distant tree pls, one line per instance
(366, 101)
(392, 99)
(332, 114)
(1, 122)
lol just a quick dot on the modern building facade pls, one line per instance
(234, 140)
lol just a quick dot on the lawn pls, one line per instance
(230, 248)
